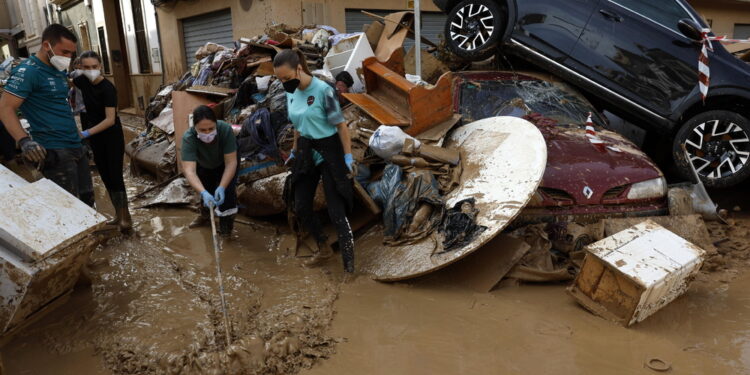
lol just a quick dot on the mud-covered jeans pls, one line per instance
(69, 168)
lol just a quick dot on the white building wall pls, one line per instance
(149, 14)
(126, 7)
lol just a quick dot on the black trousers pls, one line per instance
(109, 152)
(7, 144)
(211, 178)
(69, 168)
(304, 194)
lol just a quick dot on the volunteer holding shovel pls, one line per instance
(322, 148)
(101, 126)
(209, 162)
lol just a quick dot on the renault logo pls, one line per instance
(588, 192)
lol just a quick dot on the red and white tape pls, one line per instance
(704, 71)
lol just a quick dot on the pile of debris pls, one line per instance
(422, 177)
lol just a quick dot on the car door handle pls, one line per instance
(611, 15)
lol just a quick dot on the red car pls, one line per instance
(588, 176)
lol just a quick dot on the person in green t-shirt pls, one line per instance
(209, 162)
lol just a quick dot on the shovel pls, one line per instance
(217, 250)
(701, 201)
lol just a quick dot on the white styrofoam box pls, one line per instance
(44, 218)
(348, 55)
(9, 180)
(659, 263)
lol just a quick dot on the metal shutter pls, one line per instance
(433, 24)
(741, 31)
(212, 27)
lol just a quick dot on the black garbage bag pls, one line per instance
(460, 225)
(401, 197)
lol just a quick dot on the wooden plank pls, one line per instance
(365, 198)
(377, 110)
(211, 90)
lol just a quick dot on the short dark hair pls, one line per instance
(54, 32)
(203, 113)
(90, 55)
(345, 77)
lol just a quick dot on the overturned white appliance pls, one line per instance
(44, 241)
(629, 276)
(347, 55)
(503, 162)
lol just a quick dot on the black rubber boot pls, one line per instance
(203, 219)
(226, 224)
(347, 255)
(122, 213)
(323, 253)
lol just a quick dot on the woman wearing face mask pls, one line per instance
(101, 126)
(209, 162)
(322, 149)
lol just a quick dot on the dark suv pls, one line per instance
(636, 58)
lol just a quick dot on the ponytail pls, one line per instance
(291, 58)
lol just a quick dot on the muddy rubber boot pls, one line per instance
(115, 221)
(202, 220)
(226, 224)
(125, 222)
(347, 255)
(323, 253)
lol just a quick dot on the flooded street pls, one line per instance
(152, 307)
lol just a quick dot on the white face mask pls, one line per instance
(92, 75)
(207, 137)
(59, 62)
(77, 73)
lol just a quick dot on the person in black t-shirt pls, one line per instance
(103, 130)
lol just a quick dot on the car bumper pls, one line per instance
(588, 214)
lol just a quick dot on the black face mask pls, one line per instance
(291, 85)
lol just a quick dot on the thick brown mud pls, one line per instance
(153, 307)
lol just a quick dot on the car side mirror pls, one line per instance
(690, 29)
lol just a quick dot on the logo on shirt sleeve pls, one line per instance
(310, 100)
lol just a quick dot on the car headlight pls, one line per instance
(648, 189)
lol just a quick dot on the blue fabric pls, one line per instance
(45, 93)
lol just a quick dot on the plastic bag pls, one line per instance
(388, 141)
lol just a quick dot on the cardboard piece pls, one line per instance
(183, 104)
(483, 270)
(394, 33)
(373, 32)
(432, 68)
(211, 90)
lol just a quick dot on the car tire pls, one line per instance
(718, 144)
(474, 28)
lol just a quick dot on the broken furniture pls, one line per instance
(392, 100)
(347, 56)
(504, 160)
(45, 239)
(629, 276)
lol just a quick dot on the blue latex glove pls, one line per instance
(349, 160)
(219, 196)
(85, 134)
(291, 156)
(208, 199)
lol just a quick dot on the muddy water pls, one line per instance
(434, 328)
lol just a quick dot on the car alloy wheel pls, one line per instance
(718, 148)
(472, 26)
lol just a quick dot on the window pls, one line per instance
(741, 30)
(144, 62)
(103, 51)
(664, 12)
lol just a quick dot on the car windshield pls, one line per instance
(487, 98)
